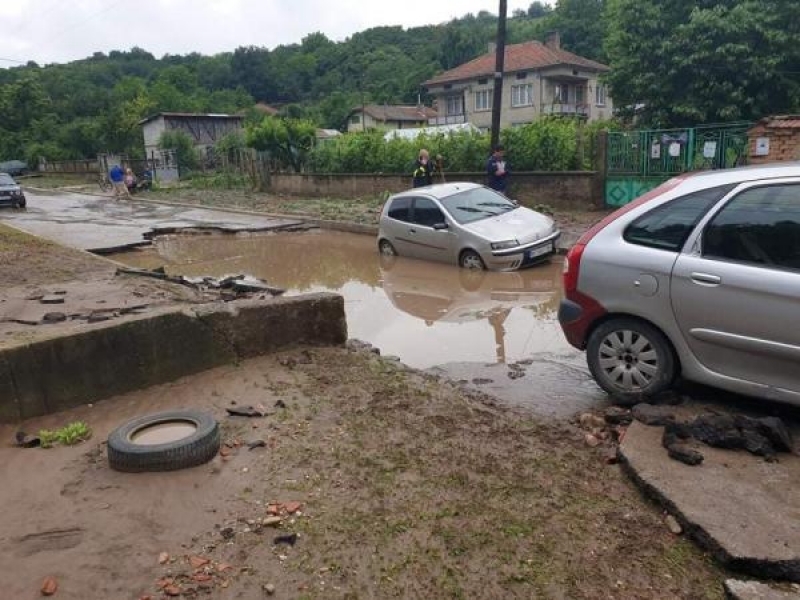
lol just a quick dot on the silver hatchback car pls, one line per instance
(699, 277)
(465, 224)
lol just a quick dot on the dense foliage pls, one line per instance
(678, 62)
(549, 144)
(684, 62)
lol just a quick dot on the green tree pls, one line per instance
(288, 140)
(683, 62)
(582, 26)
(185, 153)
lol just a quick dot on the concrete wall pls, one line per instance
(106, 360)
(571, 189)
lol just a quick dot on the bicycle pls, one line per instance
(103, 182)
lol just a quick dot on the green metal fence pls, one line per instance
(638, 161)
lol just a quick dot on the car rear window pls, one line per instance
(400, 209)
(667, 226)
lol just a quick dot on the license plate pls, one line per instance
(540, 251)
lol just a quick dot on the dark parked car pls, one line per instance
(11, 193)
(700, 278)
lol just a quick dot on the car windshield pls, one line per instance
(476, 204)
(5, 179)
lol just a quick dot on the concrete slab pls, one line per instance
(754, 590)
(112, 358)
(99, 223)
(746, 511)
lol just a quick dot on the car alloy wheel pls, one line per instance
(471, 260)
(630, 359)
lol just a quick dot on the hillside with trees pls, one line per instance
(683, 62)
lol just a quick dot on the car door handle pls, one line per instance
(706, 279)
(412, 230)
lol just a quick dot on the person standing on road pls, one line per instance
(498, 169)
(424, 169)
(117, 177)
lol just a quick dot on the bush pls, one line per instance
(549, 144)
(185, 153)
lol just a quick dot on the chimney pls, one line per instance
(492, 48)
(552, 40)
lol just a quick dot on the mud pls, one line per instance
(163, 433)
(425, 313)
(388, 483)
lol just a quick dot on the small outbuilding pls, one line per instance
(205, 129)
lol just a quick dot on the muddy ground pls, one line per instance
(82, 284)
(408, 488)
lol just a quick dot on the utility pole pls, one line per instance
(497, 100)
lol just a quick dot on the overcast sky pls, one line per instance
(48, 31)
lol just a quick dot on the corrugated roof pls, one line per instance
(394, 112)
(518, 57)
(183, 115)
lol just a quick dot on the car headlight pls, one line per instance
(505, 245)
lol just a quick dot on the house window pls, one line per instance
(560, 93)
(521, 75)
(355, 119)
(483, 100)
(522, 95)
(579, 94)
(483, 81)
(600, 94)
(455, 105)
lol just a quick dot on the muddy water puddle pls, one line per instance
(163, 433)
(425, 313)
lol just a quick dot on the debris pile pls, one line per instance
(230, 287)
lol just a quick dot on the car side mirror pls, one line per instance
(441, 226)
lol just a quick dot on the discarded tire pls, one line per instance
(164, 442)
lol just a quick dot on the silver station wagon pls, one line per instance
(700, 278)
(465, 224)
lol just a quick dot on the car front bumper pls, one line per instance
(522, 256)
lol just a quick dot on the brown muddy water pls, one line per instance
(425, 313)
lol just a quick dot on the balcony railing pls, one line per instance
(448, 120)
(566, 108)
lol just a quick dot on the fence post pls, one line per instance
(600, 169)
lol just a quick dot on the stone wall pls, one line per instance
(564, 190)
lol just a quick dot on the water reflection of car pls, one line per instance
(465, 224)
(11, 193)
(433, 292)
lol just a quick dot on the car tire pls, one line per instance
(22, 203)
(386, 249)
(469, 259)
(196, 448)
(630, 359)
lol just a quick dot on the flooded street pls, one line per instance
(425, 313)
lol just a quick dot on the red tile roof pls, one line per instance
(781, 122)
(518, 57)
(393, 112)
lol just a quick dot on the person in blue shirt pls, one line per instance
(117, 177)
(498, 169)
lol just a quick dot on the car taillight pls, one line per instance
(572, 265)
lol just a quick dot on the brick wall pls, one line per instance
(565, 190)
(784, 143)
